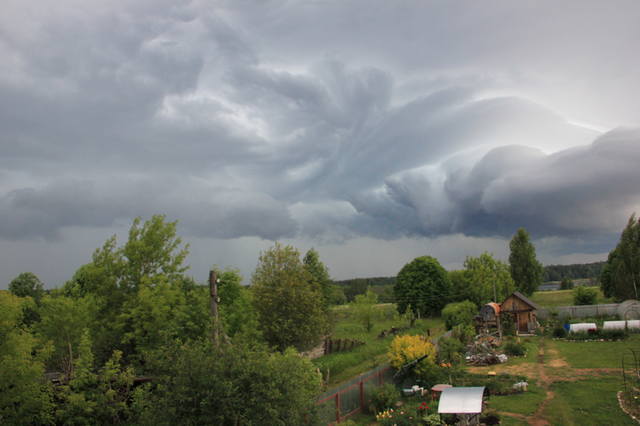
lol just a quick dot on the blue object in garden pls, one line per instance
(567, 326)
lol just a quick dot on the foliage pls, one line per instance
(319, 275)
(199, 384)
(25, 396)
(422, 287)
(526, 271)
(585, 296)
(365, 309)
(140, 296)
(383, 397)
(290, 310)
(236, 306)
(450, 350)
(357, 286)
(573, 271)
(459, 313)
(405, 349)
(27, 284)
(620, 277)
(336, 295)
(487, 279)
(404, 416)
(559, 332)
(63, 320)
(514, 348)
(566, 284)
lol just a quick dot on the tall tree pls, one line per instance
(526, 271)
(620, 277)
(290, 310)
(488, 279)
(422, 287)
(319, 274)
(27, 284)
(365, 309)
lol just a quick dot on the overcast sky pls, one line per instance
(374, 131)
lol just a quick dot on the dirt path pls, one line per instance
(536, 419)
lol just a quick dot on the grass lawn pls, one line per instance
(549, 299)
(522, 403)
(595, 354)
(587, 402)
(343, 366)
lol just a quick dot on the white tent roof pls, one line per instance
(461, 400)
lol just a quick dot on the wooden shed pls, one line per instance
(523, 311)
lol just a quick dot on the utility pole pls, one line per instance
(213, 289)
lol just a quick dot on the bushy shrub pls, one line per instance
(490, 418)
(405, 349)
(559, 332)
(514, 348)
(464, 333)
(585, 296)
(614, 334)
(566, 284)
(383, 398)
(459, 313)
(450, 350)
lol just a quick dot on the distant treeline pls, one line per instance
(584, 270)
(383, 286)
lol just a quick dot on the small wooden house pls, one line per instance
(488, 318)
(523, 312)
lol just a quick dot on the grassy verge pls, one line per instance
(587, 402)
(549, 299)
(524, 403)
(345, 365)
(595, 354)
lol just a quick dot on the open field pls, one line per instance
(550, 299)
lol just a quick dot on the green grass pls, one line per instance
(522, 403)
(550, 299)
(587, 402)
(531, 343)
(595, 354)
(343, 366)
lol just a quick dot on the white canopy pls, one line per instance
(583, 326)
(614, 325)
(461, 400)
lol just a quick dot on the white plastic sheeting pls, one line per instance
(461, 400)
(614, 325)
(633, 324)
(582, 327)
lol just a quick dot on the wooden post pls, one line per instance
(362, 396)
(338, 407)
(213, 289)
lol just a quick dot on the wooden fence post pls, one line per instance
(362, 396)
(338, 407)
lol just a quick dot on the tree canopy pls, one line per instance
(422, 287)
(620, 277)
(526, 271)
(290, 309)
(27, 284)
(486, 279)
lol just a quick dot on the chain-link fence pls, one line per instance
(352, 397)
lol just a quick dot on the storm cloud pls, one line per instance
(322, 122)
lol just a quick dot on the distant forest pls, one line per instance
(383, 286)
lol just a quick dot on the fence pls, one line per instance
(629, 309)
(353, 397)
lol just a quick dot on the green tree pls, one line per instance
(459, 313)
(27, 284)
(290, 310)
(620, 277)
(236, 307)
(319, 274)
(422, 287)
(25, 394)
(198, 384)
(566, 284)
(585, 296)
(526, 271)
(63, 320)
(364, 308)
(487, 279)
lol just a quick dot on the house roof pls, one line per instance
(524, 298)
(461, 400)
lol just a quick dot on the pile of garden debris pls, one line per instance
(483, 351)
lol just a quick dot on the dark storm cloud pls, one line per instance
(321, 120)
